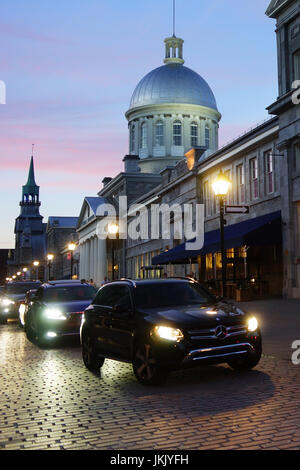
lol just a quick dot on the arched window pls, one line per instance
(207, 136)
(132, 138)
(194, 134)
(159, 134)
(177, 133)
(144, 135)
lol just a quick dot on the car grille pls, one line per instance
(214, 333)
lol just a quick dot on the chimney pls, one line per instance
(106, 180)
(193, 156)
(131, 163)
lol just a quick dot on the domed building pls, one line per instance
(172, 109)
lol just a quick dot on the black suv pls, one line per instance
(56, 309)
(163, 325)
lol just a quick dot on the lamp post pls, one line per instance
(36, 265)
(113, 230)
(71, 247)
(221, 186)
(50, 259)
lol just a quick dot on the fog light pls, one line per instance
(252, 324)
(51, 334)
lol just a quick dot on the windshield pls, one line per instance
(21, 288)
(69, 293)
(171, 294)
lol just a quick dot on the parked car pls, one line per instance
(163, 325)
(56, 309)
(12, 296)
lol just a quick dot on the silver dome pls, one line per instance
(173, 83)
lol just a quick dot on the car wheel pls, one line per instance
(28, 329)
(245, 363)
(90, 359)
(145, 366)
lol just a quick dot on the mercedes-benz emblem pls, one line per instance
(220, 331)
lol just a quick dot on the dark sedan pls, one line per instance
(162, 325)
(56, 309)
(12, 296)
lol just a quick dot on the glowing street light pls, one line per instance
(113, 229)
(36, 265)
(50, 258)
(72, 247)
(221, 187)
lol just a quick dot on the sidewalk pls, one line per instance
(280, 324)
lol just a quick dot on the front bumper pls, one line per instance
(194, 353)
(54, 329)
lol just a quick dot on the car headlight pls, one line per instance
(171, 334)
(54, 314)
(252, 324)
(7, 302)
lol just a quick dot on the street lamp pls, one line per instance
(221, 187)
(71, 248)
(36, 265)
(113, 229)
(50, 259)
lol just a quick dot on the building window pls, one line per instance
(132, 138)
(206, 198)
(240, 178)
(194, 134)
(296, 65)
(159, 134)
(227, 173)
(207, 136)
(177, 133)
(254, 178)
(144, 135)
(269, 173)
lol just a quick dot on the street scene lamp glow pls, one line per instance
(221, 185)
(36, 263)
(50, 257)
(18, 273)
(72, 246)
(113, 229)
(25, 270)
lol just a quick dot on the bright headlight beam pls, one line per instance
(7, 302)
(252, 324)
(53, 314)
(171, 334)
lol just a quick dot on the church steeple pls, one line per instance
(30, 192)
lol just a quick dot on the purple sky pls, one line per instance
(70, 68)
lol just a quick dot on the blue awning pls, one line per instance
(263, 230)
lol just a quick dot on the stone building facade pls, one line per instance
(263, 247)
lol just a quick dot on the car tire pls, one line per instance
(28, 329)
(90, 359)
(145, 366)
(245, 363)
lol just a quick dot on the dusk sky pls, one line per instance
(71, 66)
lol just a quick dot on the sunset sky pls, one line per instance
(71, 66)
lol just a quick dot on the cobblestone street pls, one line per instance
(50, 401)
